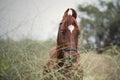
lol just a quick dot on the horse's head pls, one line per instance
(67, 40)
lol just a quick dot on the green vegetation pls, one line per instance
(100, 33)
(24, 60)
(101, 24)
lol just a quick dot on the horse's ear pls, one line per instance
(66, 13)
(74, 14)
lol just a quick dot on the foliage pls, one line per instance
(101, 24)
(24, 60)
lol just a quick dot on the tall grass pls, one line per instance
(24, 60)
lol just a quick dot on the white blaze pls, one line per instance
(71, 28)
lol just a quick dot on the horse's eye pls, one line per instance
(60, 23)
(63, 32)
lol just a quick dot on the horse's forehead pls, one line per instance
(69, 23)
(68, 19)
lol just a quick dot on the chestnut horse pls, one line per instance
(66, 53)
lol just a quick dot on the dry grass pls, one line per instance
(99, 67)
(24, 60)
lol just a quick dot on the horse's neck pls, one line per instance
(60, 55)
(60, 58)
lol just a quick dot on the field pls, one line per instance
(24, 60)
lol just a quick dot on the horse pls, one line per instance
(66, 52)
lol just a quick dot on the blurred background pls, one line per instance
(35, 19)
(28, 29)
(39, 20)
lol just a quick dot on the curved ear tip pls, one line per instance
(74, 13)
(68, 9)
